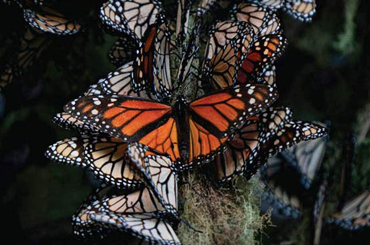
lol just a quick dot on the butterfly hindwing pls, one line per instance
(50, 21)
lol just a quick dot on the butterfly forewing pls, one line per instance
(127, 118)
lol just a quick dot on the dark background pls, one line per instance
(323, 75)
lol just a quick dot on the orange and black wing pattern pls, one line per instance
(67, 121)
(127, 118)
(221, 71)
(224, 111)
(143, 65)
(227, 39)
(214, 118)
(241, 154)
(260, 57)
(164, 139)
(292, 133)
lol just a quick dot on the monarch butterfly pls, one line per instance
(32, 45)
(254, 57)
(268, 43)
(132, 17)
(222, 67)
(240, 156)
(123, 51)
(158, 175)
(140, 212)
(285, 196)
(355, 213)
(50, 21)
(262, 54)
(307, 158)
(228, 38)
(302, 10)
(210, 120)
(104, 156)
(143, 22)
(226, 32)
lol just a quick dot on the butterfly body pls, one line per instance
(181, 113)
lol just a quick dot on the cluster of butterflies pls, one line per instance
(295, 177)
(192, 88)
(45, 20)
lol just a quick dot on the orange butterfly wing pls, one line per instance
(261, 55)
(214, 118)
(164, 139)
(127, 118)
(223, 111)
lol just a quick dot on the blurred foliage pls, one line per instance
(323, 75)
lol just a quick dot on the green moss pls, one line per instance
(225, 216)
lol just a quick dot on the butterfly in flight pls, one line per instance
(189, 132)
